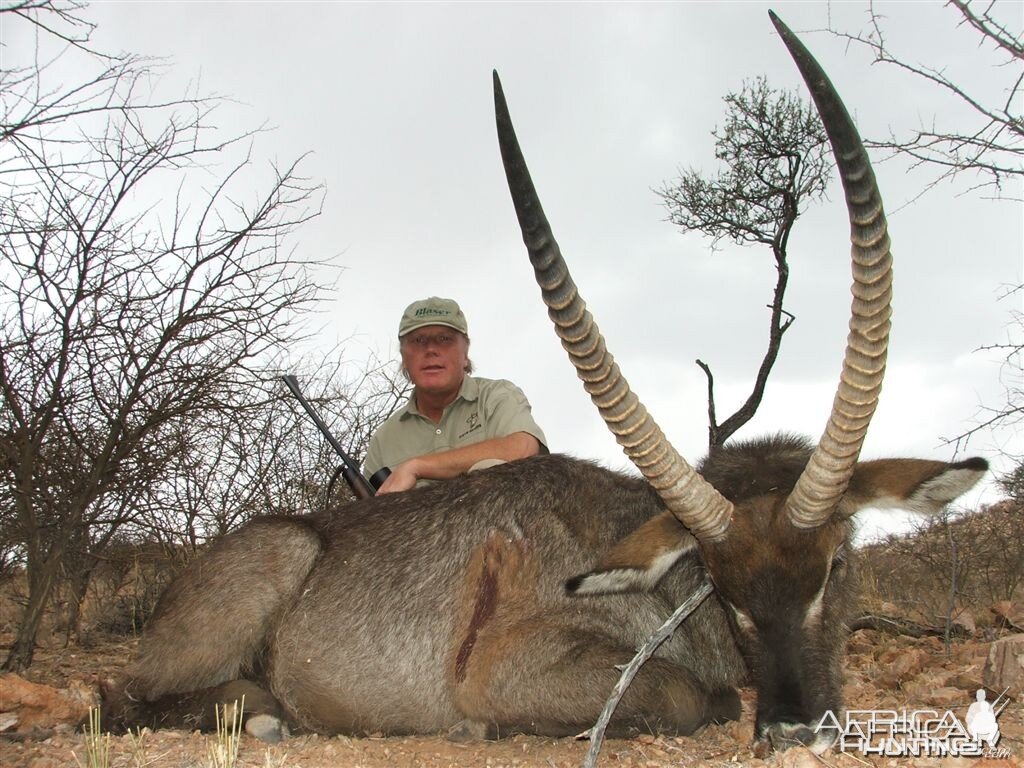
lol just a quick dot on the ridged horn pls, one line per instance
(704, 511)
(824, 481)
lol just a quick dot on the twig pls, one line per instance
(947, 635)
(642, 655)
(897, 626)
(36, 734)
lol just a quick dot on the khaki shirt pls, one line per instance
(484, 409)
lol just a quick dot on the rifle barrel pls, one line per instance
(351, 472)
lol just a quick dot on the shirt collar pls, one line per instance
(469, 391)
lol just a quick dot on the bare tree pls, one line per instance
(264, 456)
(132, 301)
(1007, 415)
(354, 403)
(984, 142)
(775, 153)
(1012, 484)
(254, 456)
(56, 19)
(990, 145)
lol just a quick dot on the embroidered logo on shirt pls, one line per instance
(472, 424)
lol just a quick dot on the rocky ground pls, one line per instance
(882, 672)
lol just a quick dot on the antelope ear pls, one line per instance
(914, 485)
(637, 563)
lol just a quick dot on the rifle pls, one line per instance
(350, 471)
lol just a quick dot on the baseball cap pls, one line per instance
(432, 311)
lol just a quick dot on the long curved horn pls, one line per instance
(828, 473)
(704, 511)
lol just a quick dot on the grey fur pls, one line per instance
(445, 607)
(366, 639)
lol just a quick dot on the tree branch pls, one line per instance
(775, 154)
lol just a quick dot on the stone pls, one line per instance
(965, 621)
(1004, 668)
(267, 728)
(798, 757)
(949, 698)
(897, 668)
(1009, 614)
(43, 706)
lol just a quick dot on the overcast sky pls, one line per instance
(393, 101)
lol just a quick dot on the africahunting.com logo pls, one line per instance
(919, 732)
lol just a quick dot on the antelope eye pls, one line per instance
(839, 556)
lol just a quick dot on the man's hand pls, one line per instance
(402, 478)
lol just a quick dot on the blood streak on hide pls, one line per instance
(486, 601)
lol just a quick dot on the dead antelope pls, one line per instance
(448, 608)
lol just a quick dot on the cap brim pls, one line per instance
(416, 327)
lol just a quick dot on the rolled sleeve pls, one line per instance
(508, 411)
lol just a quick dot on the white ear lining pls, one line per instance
(928, 498)
(932, 495)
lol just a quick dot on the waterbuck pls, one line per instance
(460, 607)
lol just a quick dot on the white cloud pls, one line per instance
(609, 99)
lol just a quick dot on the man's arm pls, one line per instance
(444, 465)
(373, 460)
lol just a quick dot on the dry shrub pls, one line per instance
(122, 592)
(12, 601)
(949, 565)
(125, 587)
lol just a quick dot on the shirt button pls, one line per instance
(438, 432)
